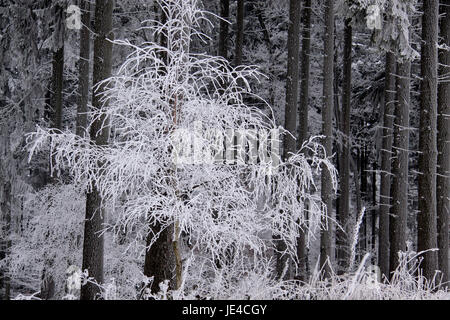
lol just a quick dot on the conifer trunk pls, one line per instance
(58, 70)
(83, 68)
(302, 252)
(400, 165)
(223, 33)
(95, 215)
(427, 238)
(342, 239)
(443, 144)
(327, 131)
(385, 173)
(239, 33)
(290, 115)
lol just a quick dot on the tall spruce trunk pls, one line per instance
(290, 115)
(83, 69)
(385, 173)
(239, 33)
(327, 131)
(363, 169)
(58, 70)
(47, 289)
(342, 238)
(400, 166)
(374, 210)
(427, 237)
(223, 33)
(5, 207)
(95, 215)
(302, 252)
(443, 144)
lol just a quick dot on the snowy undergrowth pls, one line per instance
(259, 283)
(50, 238)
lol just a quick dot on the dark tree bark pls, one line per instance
(364, 166)
(93, 242)
(6, 243)
(305, 71)
(58, 70)
(239, 33)
(159, 258)
(443, 145)
(374, 210)
(327, 131)
(385, 175)
(302, 252)
(56, 107)
(427, 238)
(83, 69)
(342, 238)
(223, 33)
(290, 115)
(400, 166)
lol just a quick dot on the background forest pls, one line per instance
(217, 149)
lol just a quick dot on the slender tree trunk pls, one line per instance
(342, 238)
(364, 167)
(359, 186)
(357, 181)
(83, 68)
(95, 215)
(427, 238)
(374, 210)
(400, 165)
(56, 104)
(327, 126)
(239, 33)
(385, 174)
(223, 33)
(290, 116)
(302, 252)
(58, 70)
(305, 70)
(443, 144)
(6, 243)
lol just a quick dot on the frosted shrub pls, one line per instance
(49, 237)
(406, 284)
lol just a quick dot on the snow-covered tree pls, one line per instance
(226, 203)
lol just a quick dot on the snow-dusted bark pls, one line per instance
(327, 125)
(93, 242)
(83, 69)
(238, 48)
(443, 143)
(302, 250)
(427, 233)
(290, 114)
(385, 173)
(400, 155)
